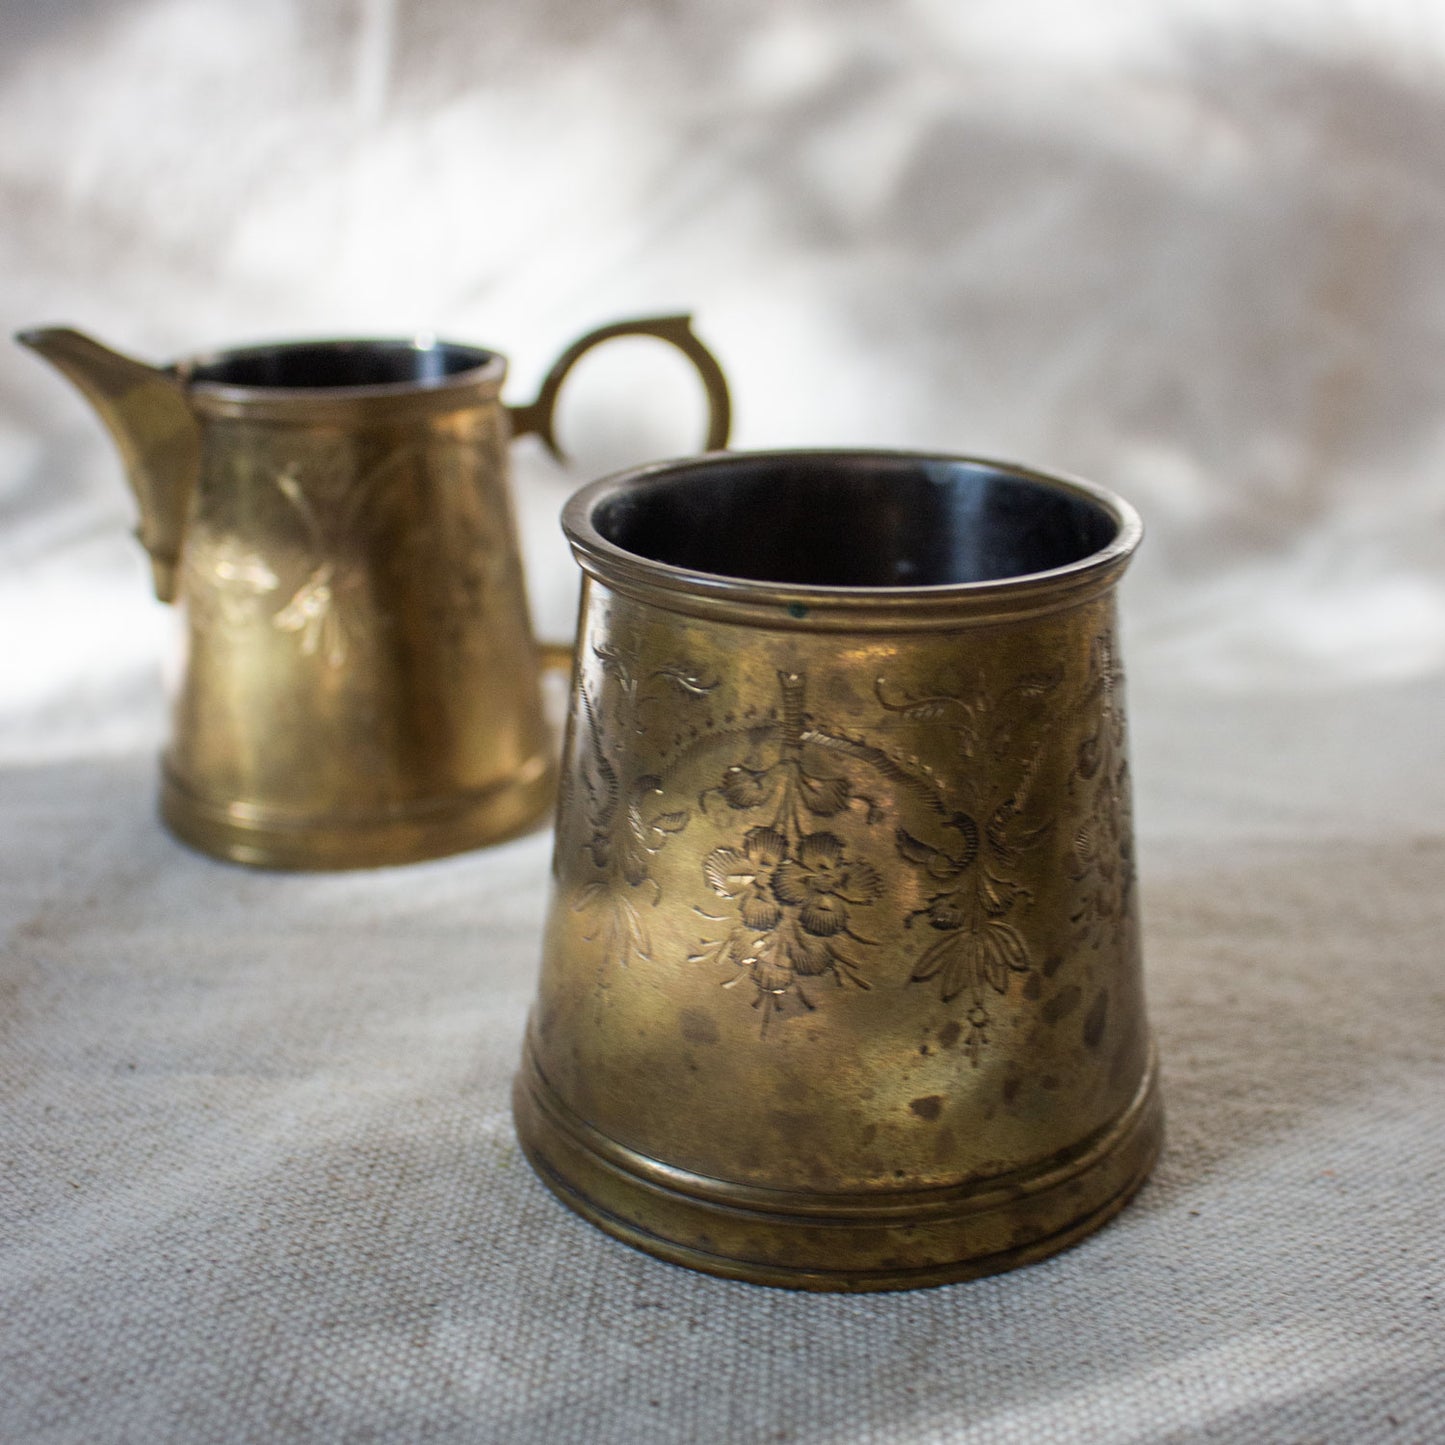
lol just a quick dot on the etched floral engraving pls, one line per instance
(1103, 845)
(979, 892)
(412, 524)
(325, 611)
(794, 885)
(839, 849)
(625, 829)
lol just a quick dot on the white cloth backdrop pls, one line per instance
(257, 1175)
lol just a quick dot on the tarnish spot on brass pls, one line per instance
(929, 1107)
(697, 1027)
(1062, 1004)
(798, 610)
(1096, 1020)
(948, 1035)
(1011, 1088)
(1033, 987)
(1052, 964)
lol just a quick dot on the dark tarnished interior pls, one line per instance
(310, 365)
(854, 521)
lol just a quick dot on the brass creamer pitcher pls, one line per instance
(841, 982)
(361, 684)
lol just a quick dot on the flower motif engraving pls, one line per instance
(822, 880)
(747, 876)
(793, 899)
(793, 886)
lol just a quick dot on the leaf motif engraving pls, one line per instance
(448, 556)
(626, 822)
(977, 892)
(685, 680)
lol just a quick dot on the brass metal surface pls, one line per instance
(361, 682)
(841, 984)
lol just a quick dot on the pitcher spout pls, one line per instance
(146, 411)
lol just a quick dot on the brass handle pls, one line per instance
(537, 418)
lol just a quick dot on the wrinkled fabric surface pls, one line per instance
(259, 1179)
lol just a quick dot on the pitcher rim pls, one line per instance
(486, 374)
